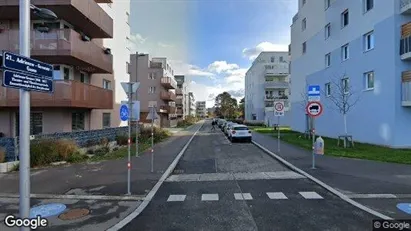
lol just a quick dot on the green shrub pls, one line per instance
(254, 123)
(76, 157)
(45, 152)
(2, 155)
(122, 139)
(102, 151)
(65, 148)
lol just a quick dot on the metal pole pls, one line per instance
(24, 120)
(137, 127)
(152, 138)
(278, 136)
(129, 139)
(313, 134)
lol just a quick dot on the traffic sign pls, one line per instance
(314, 90)
(152, 115)
(279, 108)
(124, 112)
(134, 86)
(14, 79)
(314, 109)
(26, 65)
(135, 109)
(314, 98)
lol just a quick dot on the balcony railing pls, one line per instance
(167, 96)
(405, 48)
(62, 46)
(169, 109)
(70, 94)
(276, 84)
(180, 112)
(85, 15)
(179, 91)
(271, 97)
(405, 6)
(168, 83)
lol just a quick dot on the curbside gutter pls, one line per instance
(156, 187)
(322, 184)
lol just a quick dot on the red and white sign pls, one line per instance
(279, 108)
(129, 165)
(314, 108)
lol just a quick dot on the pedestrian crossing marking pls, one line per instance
(311, 195)
(209, 197)
(243, 196)
(176, 198)
(276, 195)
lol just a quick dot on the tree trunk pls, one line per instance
(345, 130)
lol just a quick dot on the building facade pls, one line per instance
(157, 88)
(266, 82)
(181, 91)
(83, 58)
(191, 106)
(201, 109)
(362, 47)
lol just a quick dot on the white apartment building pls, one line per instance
(266, 82)
(121, 49)
(363, 45)
(201, 109)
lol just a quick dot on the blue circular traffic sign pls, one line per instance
(124, 112)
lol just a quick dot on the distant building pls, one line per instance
(191, 106)
(181, 94)
(201, 109)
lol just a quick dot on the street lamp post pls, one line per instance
(24, 107)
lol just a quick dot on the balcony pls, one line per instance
(276, 84)
(180, 112)
(69, 94)
(62, 46)
(269, 106)
(406, 89)
(167, 96)
(405, 48)
(168, 83)
(179, 91)
(104, 1)
(272, 98)
(280, 70)
(405, 6)
(85, 15)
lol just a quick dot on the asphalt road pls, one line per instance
(222, 186)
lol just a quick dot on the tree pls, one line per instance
(241, 107)
(343, 97)
(225, 105)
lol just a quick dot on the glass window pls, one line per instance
(368, 5)
(369, 80)
(327, 60)
(327, 89)
(77, 121)
(106, 84)
(344, 18)
(345, 85)
(369, 41)
(304, 47)
(345, 52)
(304, 24)
(36, 123)
(106, 120)
(327, 31)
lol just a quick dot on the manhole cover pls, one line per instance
(74, 214)
(47, 210)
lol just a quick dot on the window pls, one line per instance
(327, 31)
(327, 3)
(128, 67)
(128, 18)
(281, 93)
(369, 41)
(281, 59)
(152, 90)
(84, 77)
(77, 121)
(304, 47)
(368, 5)
(66, 73)
(304, 24)
(328, 60)
(272, 59)
(344, 18)
(36, 123)
(345, 52)
(152, 75)
(327, 89)
(369, 80)
(345, 85)
(106, 120)
(106, 84)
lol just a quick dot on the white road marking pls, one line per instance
(235, 176)
(243, 196)
(311, 195)
(276, 195)
(176, 198)
(369, 196)
(76, 197)
(209, 197)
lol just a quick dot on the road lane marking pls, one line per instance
(154, 190)
(276, 196)
(243, 196)
(311, 195)
(235, 176)
(76, 197)
(209, 197)
(371, 196)
(324, 185)
(176, 198)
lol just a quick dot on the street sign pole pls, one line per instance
(24, 120)
(137, 127)
(153, 110)
(278, 135)
(313, 134)
(129, 139)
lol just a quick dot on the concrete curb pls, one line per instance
(154, 190)
(77, 197)
(324, 185)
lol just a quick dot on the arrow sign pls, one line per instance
(134, 86)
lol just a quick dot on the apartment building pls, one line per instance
(180, 96)
(201, 109)
(191, 104)
(157, 88)
(363, 46)
(266, 82)
(83, 65)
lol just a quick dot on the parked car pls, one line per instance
(229, 128)
(220, 122)
(224, 125)
(240, 132)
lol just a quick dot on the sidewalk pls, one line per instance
(344, 174)
(99, 187)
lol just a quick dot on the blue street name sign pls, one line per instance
(124, 112)
(314, 90)
(27, 82)
(26, 65)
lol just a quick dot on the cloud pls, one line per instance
(137, 39)
(221, 66)
(165, 45)
(236, 93)
(252, 53)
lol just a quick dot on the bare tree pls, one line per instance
(303, 104)
(343, 97)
